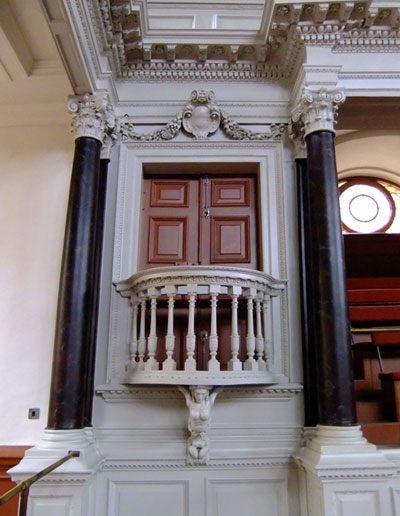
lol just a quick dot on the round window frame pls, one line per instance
(369, 181)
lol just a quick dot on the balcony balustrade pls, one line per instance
(164, 299)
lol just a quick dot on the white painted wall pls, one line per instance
(35, 166)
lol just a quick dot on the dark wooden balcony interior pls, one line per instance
(373, 271)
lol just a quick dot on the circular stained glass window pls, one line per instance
(366, 205)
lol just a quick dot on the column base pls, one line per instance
(68, 490)
(342, 474)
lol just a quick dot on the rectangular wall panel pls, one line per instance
(357, 502)
(49, 506)
(253, 497)
(147, 498)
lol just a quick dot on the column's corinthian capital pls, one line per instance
(92, 115)
(317, 109)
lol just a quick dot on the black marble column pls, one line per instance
(332, 330)
(74, 324)
(307, 309)
(101, 205)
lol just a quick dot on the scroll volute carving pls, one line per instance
(201, 117)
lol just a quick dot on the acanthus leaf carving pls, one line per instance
(317, 109)
(92, 116)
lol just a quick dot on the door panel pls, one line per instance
(167, 240)
(229, 234)
(169, 194)
(230, 192)
(169, 222)
(230, 239)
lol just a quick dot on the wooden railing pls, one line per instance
(153, 357)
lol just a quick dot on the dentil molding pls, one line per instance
(317, 109)
(122, 32)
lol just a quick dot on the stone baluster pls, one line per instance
(259, 337)
(169, 364)
(133, 344)
(267, 344)
(190, 362)
(213, 364)
(142, 337)
(152, 363)
(250, 364)
(234, 363)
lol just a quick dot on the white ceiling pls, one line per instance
(31, 70)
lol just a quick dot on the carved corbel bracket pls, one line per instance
(199, 400)
(296, 134)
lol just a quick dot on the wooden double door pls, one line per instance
(199, 220)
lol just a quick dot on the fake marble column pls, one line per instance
(327, 287)
(75, 327)
(98, 248)
(72, 486)
(339, 469)
(296, 134)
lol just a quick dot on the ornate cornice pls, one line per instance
(120, 29)
(92, 116)
(317, 109)
(200, 118)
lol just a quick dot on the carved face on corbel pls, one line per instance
(201, 117)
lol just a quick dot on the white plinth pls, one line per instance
(344, 475)
(67, 490)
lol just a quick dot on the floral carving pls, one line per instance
(235, 132)
(168, 132)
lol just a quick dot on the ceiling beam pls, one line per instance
(15, 54)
